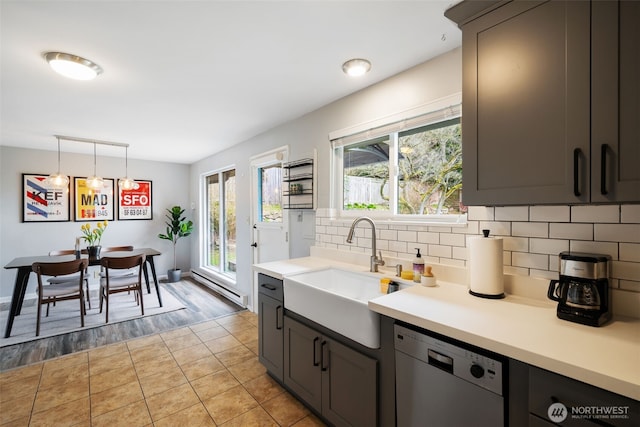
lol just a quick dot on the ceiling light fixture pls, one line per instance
(72, 66)
(57, 180)
(126, 183)
(356, 67)
(95, 182)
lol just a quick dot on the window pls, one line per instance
(404, 170)
(270, 182)
(221, 221)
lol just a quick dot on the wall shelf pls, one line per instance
(298, 184)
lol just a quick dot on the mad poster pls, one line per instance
(41, 202)
(93, 204)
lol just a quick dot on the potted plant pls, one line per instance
(177, 227)
(93, 237)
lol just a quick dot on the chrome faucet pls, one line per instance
(375, 259)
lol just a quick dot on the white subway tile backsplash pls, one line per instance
(571, 231)
(625, 270)
(630, 214)
(428, 237)
(629, 252)
(480, 213)
(595, 213)
(548, 246)
(530, 229)
(537, 261)
(533, 238)
(519, 244)
(512, 213)
(451, 239)
(397, 246)
(389, 234)
(550, 213)
(440, 251)
(629, 233)
(605, 248)
(496, 228)
(408, 236)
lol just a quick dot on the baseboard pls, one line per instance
(211, 283)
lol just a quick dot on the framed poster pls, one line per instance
(93, 205)
(135, 203)
(41, 202)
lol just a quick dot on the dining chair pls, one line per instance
(117, 249)
(71, 275)
(55, 280)
(113, 283)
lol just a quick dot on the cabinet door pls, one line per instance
(271, 335)
(302, 362)
(615, 101)
(349, 384)
(526, 115)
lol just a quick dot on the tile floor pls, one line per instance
(207, 374)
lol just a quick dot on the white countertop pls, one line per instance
(526, 329)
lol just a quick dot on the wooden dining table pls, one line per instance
(23, 265)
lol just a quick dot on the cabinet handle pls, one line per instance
(576, 172)
(279, 317)
(315, 359)
(324, 366)
(270, 287)
(603, 169)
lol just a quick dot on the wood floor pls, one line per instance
(201, 304)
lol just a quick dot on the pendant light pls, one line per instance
(95, 182)
(57, 180)
(126, 183)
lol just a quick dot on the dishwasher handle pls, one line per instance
(441, 361)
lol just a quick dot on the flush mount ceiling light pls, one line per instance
(72, 66)
(356, 67)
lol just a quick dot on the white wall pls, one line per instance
(17, 239)
(417, 86)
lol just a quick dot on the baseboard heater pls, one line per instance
(230, 294)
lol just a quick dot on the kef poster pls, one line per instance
(136, 202)
(42, 202)
(93, 204)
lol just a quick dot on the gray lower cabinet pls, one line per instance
(271, 325)
(335, 380)
(573, 403)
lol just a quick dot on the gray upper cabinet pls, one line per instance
(615, 101)
(527, 103)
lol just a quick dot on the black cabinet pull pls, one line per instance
(324, 366)
(270, 287)
(315, 359)
(279, 317)
(603, 169)
(576, 172)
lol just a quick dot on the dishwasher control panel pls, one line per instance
(470, 365)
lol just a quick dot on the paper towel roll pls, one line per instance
(486, 278)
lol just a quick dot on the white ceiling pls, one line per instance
(185, 79)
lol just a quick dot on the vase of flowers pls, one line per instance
(93, 237)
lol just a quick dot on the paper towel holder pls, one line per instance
(488, 290)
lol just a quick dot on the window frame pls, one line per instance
(430, 114)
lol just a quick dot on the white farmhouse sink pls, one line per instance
(337, 299)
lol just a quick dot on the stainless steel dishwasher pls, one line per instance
(439, 383)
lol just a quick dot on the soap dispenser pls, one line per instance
(418, 266)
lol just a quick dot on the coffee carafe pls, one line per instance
(582, 291)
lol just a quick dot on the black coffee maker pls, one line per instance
(583, 289)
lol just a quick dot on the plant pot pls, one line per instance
(94, 252)
(174, 275)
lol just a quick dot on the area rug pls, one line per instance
(65, 316)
